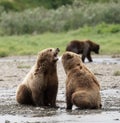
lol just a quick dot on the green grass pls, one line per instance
(116, 73)
(31, 44)
(23, 66)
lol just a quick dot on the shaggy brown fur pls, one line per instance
(82, 88)
(40, 86)
(84, 48)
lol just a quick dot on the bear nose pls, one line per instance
(57, 50)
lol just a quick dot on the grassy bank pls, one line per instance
(108, 36)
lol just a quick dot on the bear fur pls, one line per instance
(82, 87)
(40, 85)
(84, 48)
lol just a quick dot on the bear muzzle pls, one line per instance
(57, 50)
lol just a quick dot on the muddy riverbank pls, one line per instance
(14, 69)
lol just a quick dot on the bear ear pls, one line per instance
(69, 56)
(50, 50)
(36, 71)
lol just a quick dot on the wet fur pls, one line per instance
(40, 85)
(83, 47)
(82, 87)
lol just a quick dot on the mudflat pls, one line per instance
(14, 69)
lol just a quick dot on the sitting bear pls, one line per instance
(82, 88)
(84, 48)
(40, 85)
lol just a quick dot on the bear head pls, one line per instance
(71, 60)
(47, 59)
(93, 46)
(96, 48)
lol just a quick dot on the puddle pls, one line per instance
(104, 117)
(100, 59)
(107, 60)
(111, 93)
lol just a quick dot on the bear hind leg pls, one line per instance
(23, 95)
(83, 101)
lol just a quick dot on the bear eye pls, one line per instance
(43, 65)
(50, 50)
(69, 56)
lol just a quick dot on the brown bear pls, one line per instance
(40, 85)
(82, 88)
(84, 48)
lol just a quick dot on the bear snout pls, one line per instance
(57, 50)
(97, 52)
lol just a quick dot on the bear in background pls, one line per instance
(84, 48)
(82, 87)
(40, 85)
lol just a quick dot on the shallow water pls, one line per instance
(103, 59)
(107, 60)
(103, 117)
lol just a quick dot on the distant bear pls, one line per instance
(40, 85)
(84, 48)
(82, 88)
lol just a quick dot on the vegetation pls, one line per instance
(65, 18)
(23, 66)
(103, 34)
(20, 5)
(116, 73)
(28, 26)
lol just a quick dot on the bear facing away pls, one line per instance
(82, 88)
(84, 48)
(40, 85)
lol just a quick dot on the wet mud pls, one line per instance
(14, 69)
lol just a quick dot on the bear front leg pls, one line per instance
(50, 101)
(68, 101)
(89, 57)
(50, 96)
(53, 102)
(38, 99)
